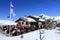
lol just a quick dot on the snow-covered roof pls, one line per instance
(30, 19)
(7, 22)
(41, 20)
(36, 16)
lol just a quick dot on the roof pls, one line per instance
(34, 17)
(19, 19)
(41, 20)
(30, 19)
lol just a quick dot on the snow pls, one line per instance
(30, 20)
(41, 20)
(49, 35)
(7, 22)
(36, 16)
(56, 18)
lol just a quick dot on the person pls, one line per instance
(23, 26)
(18, 31)
(4, 28)
(14, 33)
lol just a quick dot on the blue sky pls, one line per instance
(30, 7)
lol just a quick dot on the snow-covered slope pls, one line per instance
(49, 35)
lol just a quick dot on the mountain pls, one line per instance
(50, 17)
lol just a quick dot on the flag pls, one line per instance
(12, 9)
(11, 5)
